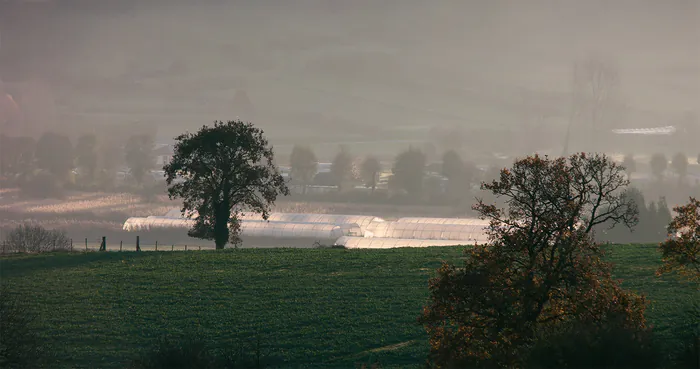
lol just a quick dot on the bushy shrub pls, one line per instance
(19, 344)
(35, 238)
(194, 353)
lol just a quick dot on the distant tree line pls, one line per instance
(48, 166)
(411, 178)
(653, 219)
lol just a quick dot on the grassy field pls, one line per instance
(309, 307)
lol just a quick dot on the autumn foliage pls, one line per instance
(681, 252)
(541, 272)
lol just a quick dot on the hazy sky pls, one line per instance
(451, 60)
(517, 43)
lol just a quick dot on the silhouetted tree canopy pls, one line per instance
(680, 165)
(304, 165)
(341, 168)
(658, 164)
(409, 171)
(541, 270)
(16, 156)
(370, 170)
(651, 227)
(139, 156)
(54, 153)
(86, 156)
(225, 169)
(459, 176)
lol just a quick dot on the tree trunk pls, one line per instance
(221, 231)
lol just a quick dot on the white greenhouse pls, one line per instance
(388, 243)
(428, 231)
(460, 221)
(145, 224)
(361, 220)
(254, 228)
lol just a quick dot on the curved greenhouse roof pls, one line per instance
(255, 228)
(298, 230)
(361, 220)
(460, 221)
(145, 224)
(428, 231)
(388, 243)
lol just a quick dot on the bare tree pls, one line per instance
(35, 238)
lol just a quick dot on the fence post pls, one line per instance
(71, 245)
(54, 245)
(200, 248)
(156, 245)
(103, 246)
(185, 247)
(138, 244)
(86, 244)
(172, 247)
(120, 246)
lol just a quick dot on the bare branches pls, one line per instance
(541, 267)
(36, 239)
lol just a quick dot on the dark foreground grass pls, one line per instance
(308, 307)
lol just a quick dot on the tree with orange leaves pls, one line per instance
(681, 251)
(541, 271)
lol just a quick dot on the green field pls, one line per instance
(309, 307)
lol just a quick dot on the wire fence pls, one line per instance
(105, 245)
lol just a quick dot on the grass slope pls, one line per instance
(309, 307)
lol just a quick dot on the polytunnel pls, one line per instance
(254, 228)
(145, 224)
(429, 231)
(363, 221)
(458, 221)
(388, 243)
